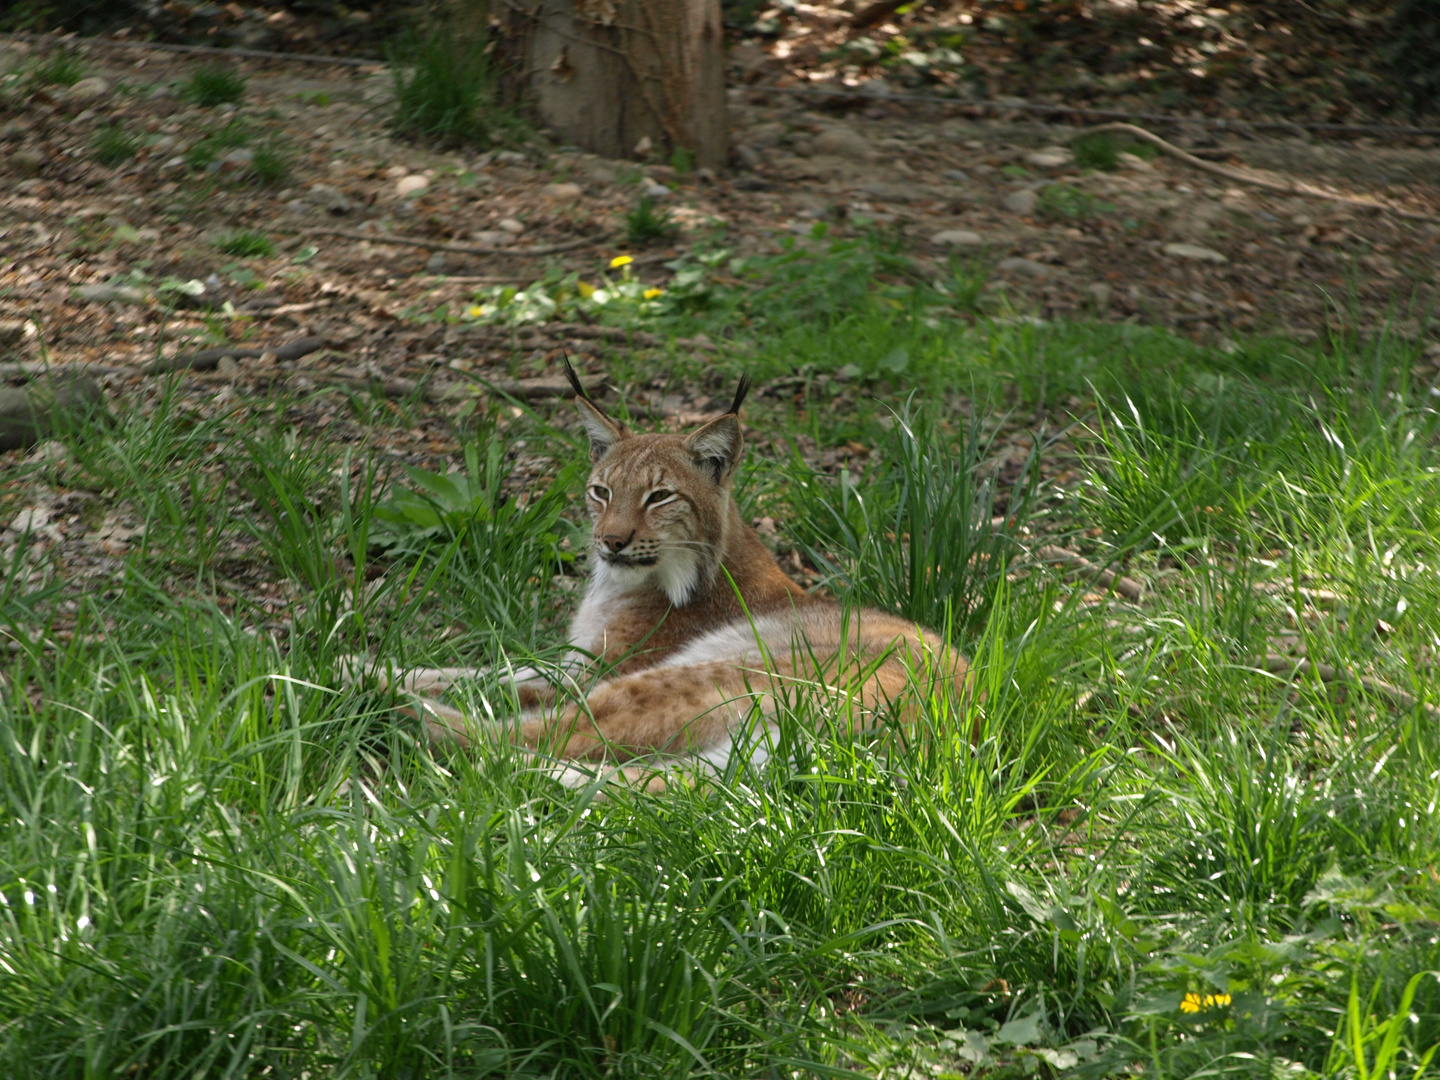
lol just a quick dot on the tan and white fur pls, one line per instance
(692, 629)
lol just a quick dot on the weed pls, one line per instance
(446, 94)
(112, 145)
(209, 146)
(645, 223)
(247, 244)
(682, 161)
(59, 68)
(270, 167)
(1102, 150)
(1061, 202)
(213, 85)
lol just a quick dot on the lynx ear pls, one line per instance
(716, 447)
(604, 433)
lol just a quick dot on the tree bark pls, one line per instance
(620, 78)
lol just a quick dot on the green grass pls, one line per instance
(59, 68)
(212, 144)
(247, 244)
(644, 223)
(213, 85)
(446, 94)
(112, 145)
(217, 859)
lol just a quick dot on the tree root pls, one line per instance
(1328, 673)
(1245, 176)
(459, 249)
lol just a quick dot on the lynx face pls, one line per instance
(657, 503)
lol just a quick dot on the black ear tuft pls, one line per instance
(740, 392)
(574, 379)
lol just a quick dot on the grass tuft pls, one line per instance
(113, 145)
(270, 166)
(645, 223)
(446, 94)
(247, 244)
(213, 85)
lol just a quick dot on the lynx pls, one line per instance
(690, 625)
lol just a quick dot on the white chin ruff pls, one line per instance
(677, 574)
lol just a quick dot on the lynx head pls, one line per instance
(659, 504)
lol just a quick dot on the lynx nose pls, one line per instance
(616, 544)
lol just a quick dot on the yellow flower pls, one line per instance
(1222, 999)
(585, 289)
(619, 261)
(650, 294)
(1191, 1004)
(474, 311)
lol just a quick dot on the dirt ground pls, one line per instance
(1155, 242)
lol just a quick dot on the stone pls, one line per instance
(88, 89)
(407, 187)
(1195, 253)
(105, 294)
(227, 367)
(843, 143)
(956, 238)
(437, 263)
(511, 157)
(1021, 202)
(958, 176)
(330, 199)
(597, 170)
(1017, 265)
(656, 191)
(1051, 157)
(747, 156)
(27, 161)
(237, 160)
(176, 162)
(492, 238)
(562, 193)
(1100, 294)
(888, 192)
(397, 172)
(510, 225)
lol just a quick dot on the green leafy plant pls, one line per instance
(213, 85)
(59, 68)
(1062, 202)
(247, 244)
(270, 167)
(446, 93)
(644, 223)
(113, 145)
(210, 145)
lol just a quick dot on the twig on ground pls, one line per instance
(459, 249)
(29, 413)
(1328, 673)
(1245, 176)
(1126, 587)
(208, 359)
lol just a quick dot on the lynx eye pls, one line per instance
(658, 496)
(599, 492)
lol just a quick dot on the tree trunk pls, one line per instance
(608, 75)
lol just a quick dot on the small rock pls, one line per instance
(409, 186)
(297, 207)
(511, 157)
(1100, 293)
(1021, 202)
(237, 160)
(1052, 157)
(1194, 252)
(227, 367)
(888, 192)
(644, 146)
(1017, 265)
(108, 294)
(705, 174)
(27, 161)
(492, 238)
(329, 198)
(49, 452)
(395, 172)
(176, 162)
(562, 193)
(959, 176)
(656, 191)
(747, 156)
(842, 142)
(89, 89)
(597, 171)
(437, 263)
(511, 226)
(956, 238)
